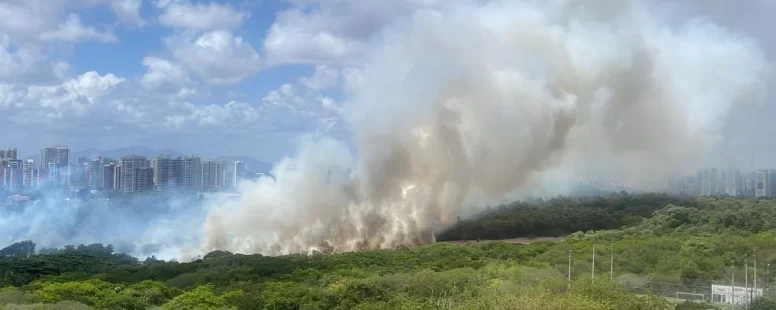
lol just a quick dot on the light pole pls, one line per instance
(746, 279)
(754, 291)
(592, 269)
(611, 261)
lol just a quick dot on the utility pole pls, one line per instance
(767, 279)
(732, 284)
(569, 273)
(611, 261)
(746, 280)
(592, 269)
(754, 291)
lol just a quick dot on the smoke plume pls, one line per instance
(472, 101)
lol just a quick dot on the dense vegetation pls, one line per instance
(562, 216)
(658, 241)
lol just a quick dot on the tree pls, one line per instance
(23, 248)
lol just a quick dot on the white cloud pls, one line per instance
(74, 98)
(92, 102)
(218, 57)
(323, 78)
(163, 75)
(333, 32)
(53, 21)
(128, 11)
(28, 63)
(212, 115)
(301, 104)
(72, 30)
(187, 15)
(352, 79)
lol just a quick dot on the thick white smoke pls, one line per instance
(468, 102)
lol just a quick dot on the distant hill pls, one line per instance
(124, 151)
(252, 164)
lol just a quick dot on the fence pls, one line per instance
(719, 293)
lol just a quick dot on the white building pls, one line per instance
(737, 295)
(238, 173)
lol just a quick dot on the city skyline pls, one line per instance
(132, 173)
(128, 173)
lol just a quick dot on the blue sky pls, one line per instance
(197, 76)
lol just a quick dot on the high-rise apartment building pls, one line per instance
(144, 179)
(238, 173)
(733, 182)
(96, 173)
(117, 177)
(8, 154)
(13, 178)
(708, 182)
(29, 174)
(59, 156)
(108, 179)
(168, 173)
(130, 165)
(212, 175)
(192, 173)
(765, 183)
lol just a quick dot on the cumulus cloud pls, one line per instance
(218, 57)
(227, 115)
(164, 75)
(128, 11)
(201, 16)
(72, 30)
(29, 21)
(324, 77)
(28, 64)
(300, 103)
(332, 32)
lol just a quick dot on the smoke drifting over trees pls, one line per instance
(472, 101)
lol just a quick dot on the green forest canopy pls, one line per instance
(662, 238)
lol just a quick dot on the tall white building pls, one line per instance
(212, 175)
(96, 170)
(131, 180)
(59, 156)
(238, 173)
(13, 175)
(762, 184)
(29, 174)
(192, 173)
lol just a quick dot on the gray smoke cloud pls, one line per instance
(474, 101)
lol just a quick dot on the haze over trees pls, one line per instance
(658, 240)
